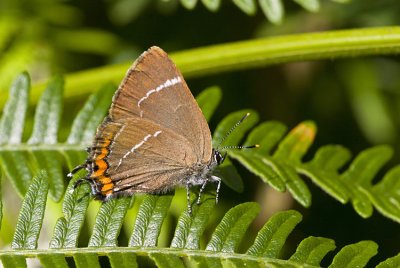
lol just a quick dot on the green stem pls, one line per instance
(251, 54)
(102, 251)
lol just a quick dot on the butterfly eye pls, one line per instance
(219, 158)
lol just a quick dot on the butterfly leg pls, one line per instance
(76, 169)
(188, 198)
(203, 186)
(218, 180)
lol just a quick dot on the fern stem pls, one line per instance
(104, 251)
(250, 54)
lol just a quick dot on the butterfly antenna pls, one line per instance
(230, 131)
(240, 147)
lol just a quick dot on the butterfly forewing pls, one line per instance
(155, 90)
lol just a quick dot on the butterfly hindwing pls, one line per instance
(134, 159)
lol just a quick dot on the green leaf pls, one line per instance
(122, 259)
(266, 135)
(13, 119)
(51, 161)
(14, 163)
(167, 261)
(355, 255)
(45, 131)
(330, 158)
(149, 219)
(53, 261)
(189, 4)
(269, 7)
(296, 186)
(367, 164)
(208, 101)
(212, 5)
(109, 221)
(67, 228)
(289, 154)
(323, 170)
(86, 122)
(16, 166)
(230, 176)
(31, 214)
(10, 261)
(360, 174)
(273, 10)
(48, 113)
(260, 167)
(232, 228)
(385, 195)
(190, 227)
(312, 250)
(310, 5)
(296, 143)
(247, 6)
(273, 235)
(85, 260)
(391, 262)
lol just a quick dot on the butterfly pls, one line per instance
(154, 138)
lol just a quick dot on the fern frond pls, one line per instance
(149, 219)
(31, 214)
(67, 228)
(108, 222)
(355, 255)
(249, 54)
(390, 262)
(19, 160)
(13, 163)
(272, 9)
(279, 163)
(221, 249)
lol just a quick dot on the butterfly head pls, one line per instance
(219, 157)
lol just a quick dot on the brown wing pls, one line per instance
(147, 157)
(155, 90)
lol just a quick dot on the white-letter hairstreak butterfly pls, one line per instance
(154, 137)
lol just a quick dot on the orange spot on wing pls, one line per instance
(107, 188)
(101, 168)
(103, 154)
(106, 142)
(104, 180)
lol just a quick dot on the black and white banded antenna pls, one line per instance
(229, 132)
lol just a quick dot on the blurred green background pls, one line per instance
(354, 102)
